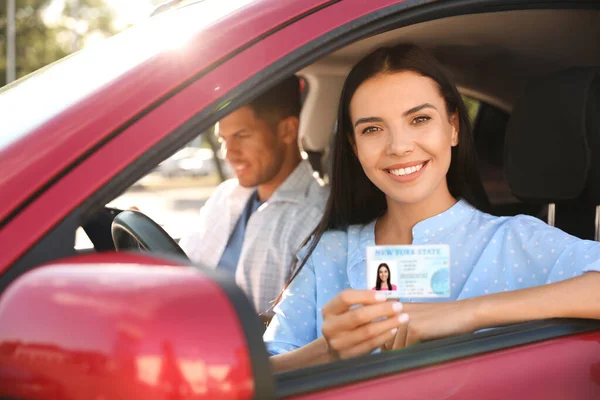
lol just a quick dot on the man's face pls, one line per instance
(254, 148)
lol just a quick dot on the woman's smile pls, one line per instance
(407, 172)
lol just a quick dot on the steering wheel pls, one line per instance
(132, 230)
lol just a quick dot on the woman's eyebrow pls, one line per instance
(417, 109)
(367, 120)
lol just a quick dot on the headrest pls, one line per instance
(552, 146)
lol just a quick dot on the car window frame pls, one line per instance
(428, 354)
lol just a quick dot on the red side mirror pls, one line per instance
(129, 331)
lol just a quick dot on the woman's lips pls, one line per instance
(408, 173)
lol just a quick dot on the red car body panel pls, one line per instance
(127, 330)
(77, 341)
(558, 369)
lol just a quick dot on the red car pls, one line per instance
(105, 324)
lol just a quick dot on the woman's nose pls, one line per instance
(399, 144)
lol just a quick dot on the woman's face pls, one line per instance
(383, 274)
(403, 135)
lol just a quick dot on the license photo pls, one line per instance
(409, 271)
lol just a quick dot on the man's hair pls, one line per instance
(279, 102)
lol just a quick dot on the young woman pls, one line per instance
(384, 278)
(404, 173)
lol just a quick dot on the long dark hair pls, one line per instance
(389, 279)
(354, 199)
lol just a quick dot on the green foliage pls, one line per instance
(41, 40)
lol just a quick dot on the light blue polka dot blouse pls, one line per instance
(488, 255)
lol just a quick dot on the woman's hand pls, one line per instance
(429, 321)
(360, 330)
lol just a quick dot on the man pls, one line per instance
(252, 227)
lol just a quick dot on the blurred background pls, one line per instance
(35, 33)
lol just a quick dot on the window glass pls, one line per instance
(173, 193)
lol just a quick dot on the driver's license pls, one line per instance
(409, 271)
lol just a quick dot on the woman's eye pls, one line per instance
(420, 120)
(370, 129)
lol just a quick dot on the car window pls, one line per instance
(173, 193)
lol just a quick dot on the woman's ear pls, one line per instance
(455, 122)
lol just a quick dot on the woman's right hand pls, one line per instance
(353, 331)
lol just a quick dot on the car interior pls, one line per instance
(494, 59)
(497, 59)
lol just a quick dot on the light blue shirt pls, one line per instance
(488, 255)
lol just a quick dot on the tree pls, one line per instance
(48, 30)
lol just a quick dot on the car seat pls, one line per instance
(552, 149)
